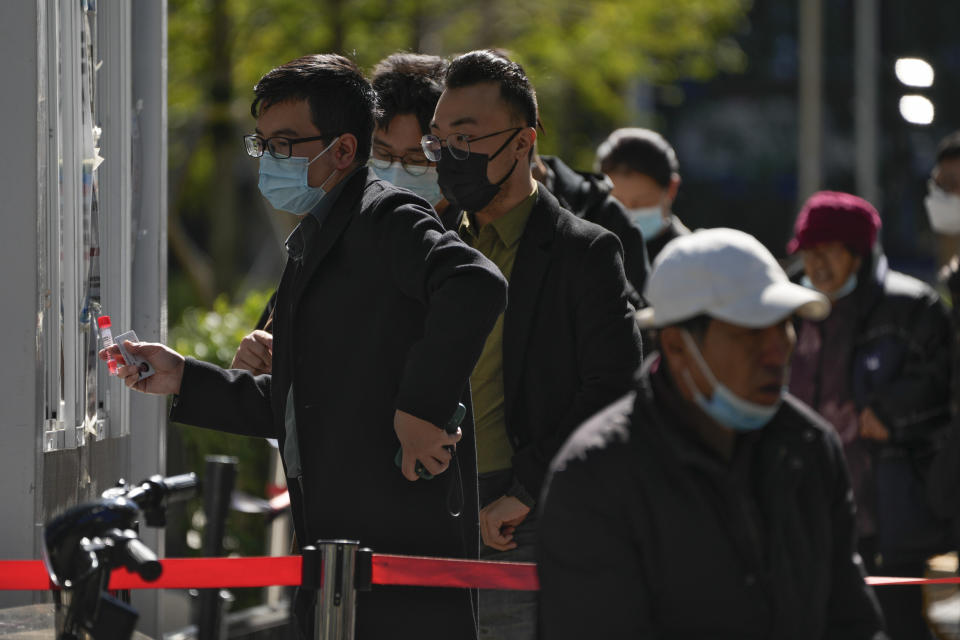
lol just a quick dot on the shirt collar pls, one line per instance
(508, 227)
(323, 208)
(300, 240)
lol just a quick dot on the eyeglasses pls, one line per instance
(459, 144)
(416, 164)
(278, 146)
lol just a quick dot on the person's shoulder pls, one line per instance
(384, 198)
(606, 433)
(898, 285)
(569, 228)
(585, 192)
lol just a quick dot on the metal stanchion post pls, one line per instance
(218, 481)
(335, 614)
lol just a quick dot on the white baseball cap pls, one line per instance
(728, 275)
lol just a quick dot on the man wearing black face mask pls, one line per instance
(567, 343)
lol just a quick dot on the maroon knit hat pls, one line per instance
(833, 216)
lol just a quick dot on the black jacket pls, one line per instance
(587, 196)
(901, 359)
(387, 312)
(646, 533)
(674, 230)
(570, 344)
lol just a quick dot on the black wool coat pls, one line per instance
(587, 196)
(570, 343)
(388, 311)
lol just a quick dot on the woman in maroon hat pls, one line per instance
(878, 369)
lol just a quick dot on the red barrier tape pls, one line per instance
(446, 572)
(413, 571)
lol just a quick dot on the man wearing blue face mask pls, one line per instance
(708, 503)
(645, 173)
(408, 86)
(878, 370)
(380, 317)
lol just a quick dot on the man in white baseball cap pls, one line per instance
(709, 502)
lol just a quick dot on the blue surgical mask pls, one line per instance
(648, 219)
(284, 182)
(845, 289)
(724, 406)
(424, 185)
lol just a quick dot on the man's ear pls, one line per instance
(672, 344)
(344, 151)
(525, 142)
(674, 187)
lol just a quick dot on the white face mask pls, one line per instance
(424, 185)
(943, 210)
(649, 220)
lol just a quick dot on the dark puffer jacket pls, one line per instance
(646, 533)
(895, 355)
(901, 357)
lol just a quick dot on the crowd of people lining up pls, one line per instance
(708, 448)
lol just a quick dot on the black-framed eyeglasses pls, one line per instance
(459, 144)
(277, 146)
(416, 164)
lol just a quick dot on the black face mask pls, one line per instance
(464, 183)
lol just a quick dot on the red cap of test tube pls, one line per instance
(103, 322)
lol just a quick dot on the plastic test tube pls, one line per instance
(106, 340)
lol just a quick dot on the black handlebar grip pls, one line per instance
(140, 558)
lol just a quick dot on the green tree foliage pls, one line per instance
(586, 59)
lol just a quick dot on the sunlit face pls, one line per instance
(479, 112)
(401, 139)
(291, 119)
(752, 363)
(829, 265)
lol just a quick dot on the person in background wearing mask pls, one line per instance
(646, 177)
(943, 210)
(708, 502)
(408, 86)
(381, 315)
(565, 346)
(877, 369)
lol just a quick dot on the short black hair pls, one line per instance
(949, 147)
(640, 150)
(486, 65)
(408, 83)
(340, 98)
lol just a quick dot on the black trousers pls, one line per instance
(902, 605)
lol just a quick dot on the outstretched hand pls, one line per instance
(167, 365)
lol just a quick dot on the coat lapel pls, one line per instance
(529, 269)
(333, 226)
